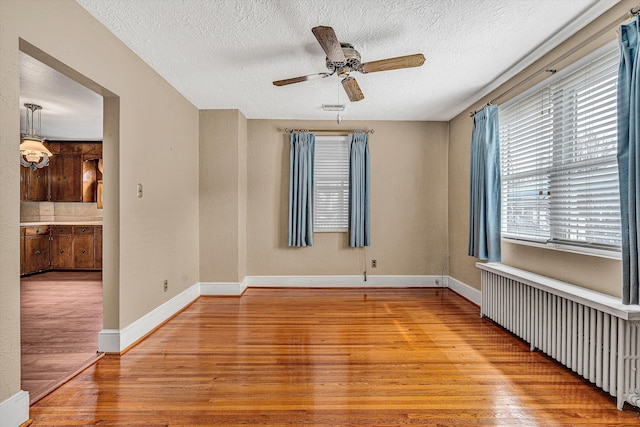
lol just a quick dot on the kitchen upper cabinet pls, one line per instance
(72, 174)
(65, 176)
(36, 249)
(34, 185)
(91, 150)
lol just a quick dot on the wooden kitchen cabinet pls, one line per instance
(22, 257)
(34, 185)
(62, 247)
(91, 150)
(65, 178)
(74, 247)
(36, 249)
(71, 176)
(83, 256)
(97, 247)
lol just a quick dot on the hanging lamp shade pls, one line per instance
(33, 153)
(33, 150)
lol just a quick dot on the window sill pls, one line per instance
(601, 253)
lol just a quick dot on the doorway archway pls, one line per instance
(111, 211)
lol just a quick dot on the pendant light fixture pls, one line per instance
(33, 153)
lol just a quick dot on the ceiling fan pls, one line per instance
(342, 59)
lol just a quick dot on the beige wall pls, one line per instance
(9, 211)
(591, 272)
(461, 266)
(223, 190)
(156, 143)
(408, 203)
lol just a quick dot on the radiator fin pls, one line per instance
(600, 347)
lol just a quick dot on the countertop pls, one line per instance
(41, 223)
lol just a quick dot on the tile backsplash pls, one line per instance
(50, 211)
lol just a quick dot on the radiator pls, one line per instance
(591, 333)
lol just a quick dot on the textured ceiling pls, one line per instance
(226, 53)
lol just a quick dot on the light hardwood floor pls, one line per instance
(60, 318)
(330, 357)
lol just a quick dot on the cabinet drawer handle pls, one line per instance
(37, 252)
(83, 229)
(83, 251)
(37, 230)
(61, 229)
(61, 251)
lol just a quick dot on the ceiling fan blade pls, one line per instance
(300, 79)
(393, 63)
(329, 42)
(352, 88)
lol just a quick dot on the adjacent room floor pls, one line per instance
(330, 357)
(61, 316)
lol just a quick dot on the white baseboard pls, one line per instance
(14, 410)
(468, 292)
(109, 341)
(345, 281)
(223, 288)
(117, 340)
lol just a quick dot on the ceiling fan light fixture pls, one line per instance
(342, 59)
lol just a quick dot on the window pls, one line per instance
(331, 187)
(558, 161)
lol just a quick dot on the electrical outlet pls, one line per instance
(374, 263)
(166, 285)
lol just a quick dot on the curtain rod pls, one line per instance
(330, 130)
(549, 67)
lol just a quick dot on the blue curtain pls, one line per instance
(484, 203)
(629, 157)
(301, 158)
(359, 184)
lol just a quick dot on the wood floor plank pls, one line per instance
(60, 318)
(330, 357)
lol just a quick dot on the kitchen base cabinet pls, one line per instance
(60, 247)
(22, 257)
(36, 249)
(97, 248)
(83, 248)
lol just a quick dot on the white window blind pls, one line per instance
(331, 187)
(558, 161)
